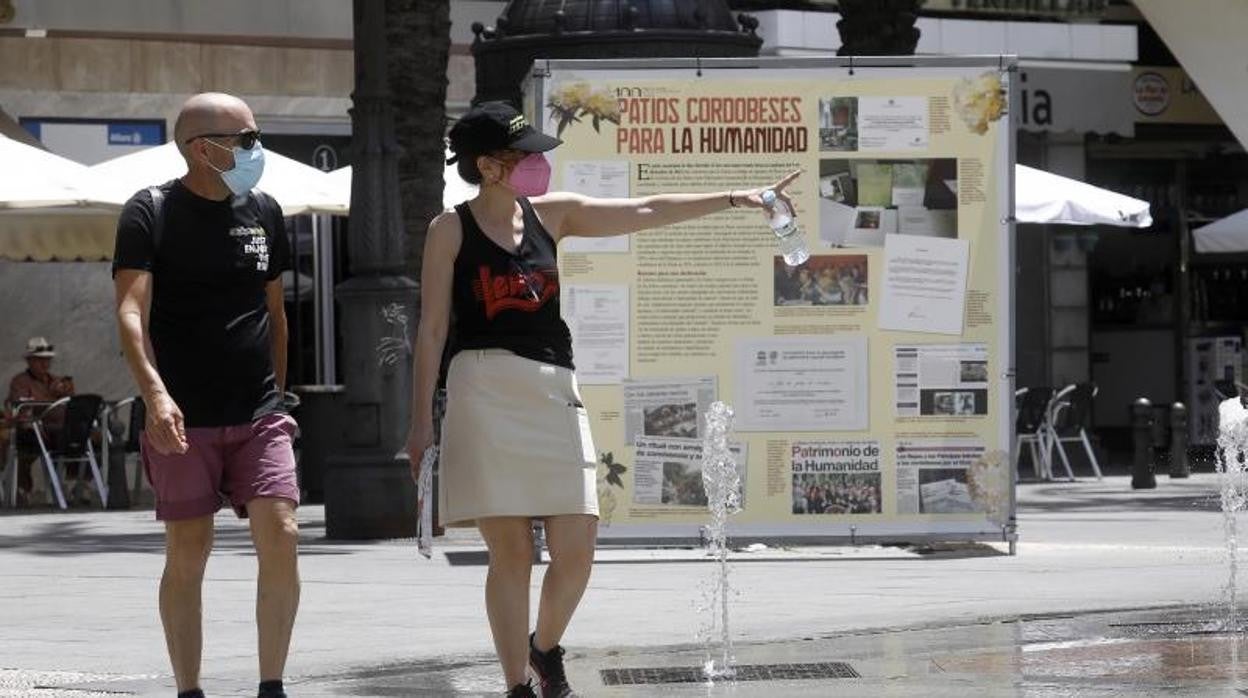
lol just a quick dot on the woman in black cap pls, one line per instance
(515, 438)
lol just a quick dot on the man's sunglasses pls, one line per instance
(246, 139)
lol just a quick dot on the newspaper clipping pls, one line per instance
(668, 472)
(836, 477)
(668, 407)
(932, 475)
(941, 380)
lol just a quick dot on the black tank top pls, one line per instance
(509, 301)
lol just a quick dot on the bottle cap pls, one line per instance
(769, 197)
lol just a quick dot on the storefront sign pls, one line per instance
(1080, 100)
(1056, 9)
(1166, 95)
(90, 141)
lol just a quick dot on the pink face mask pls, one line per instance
(530, 176)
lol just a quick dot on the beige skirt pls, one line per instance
(515, 441)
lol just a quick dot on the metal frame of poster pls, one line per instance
(874, 384)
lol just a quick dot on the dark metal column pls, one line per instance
(368, 492)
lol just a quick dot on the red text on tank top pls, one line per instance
(513, 290)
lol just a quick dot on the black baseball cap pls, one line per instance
(491, 126)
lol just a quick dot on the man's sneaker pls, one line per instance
(522, 690)
(552, 682)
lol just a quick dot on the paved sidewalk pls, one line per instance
(77, 594)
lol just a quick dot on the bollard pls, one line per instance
(1142, 477)
(118, 494)
(1179, 467)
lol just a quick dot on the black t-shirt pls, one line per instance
(209, 322)
(506, 300)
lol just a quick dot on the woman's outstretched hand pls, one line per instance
(753, 198)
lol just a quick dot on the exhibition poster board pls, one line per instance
(873, 384)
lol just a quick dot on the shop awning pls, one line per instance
(66, 235)
(32, 178)
(1228, 234)
(298, 188)
(1208, 39)
(1043, 197)
(49, 207)
(54, 209)
(1075, 97)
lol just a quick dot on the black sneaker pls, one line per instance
(552, 682)
(522, 690)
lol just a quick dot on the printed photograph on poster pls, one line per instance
(668, 472)
(598, 178)
(944, 491)
(862, 202)
(894, 124)
(804, 383)
(955, 403)
(838, 123)
(941, 380)
(679, 420)
(858, 493)
(924, 284)
(974, 371)
(932, 475)
(836, 477)
(666, 407)
(821, 280)
(597, 316)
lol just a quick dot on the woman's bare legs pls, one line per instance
(571, 539)
(510, 541)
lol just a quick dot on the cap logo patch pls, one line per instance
(516, 125)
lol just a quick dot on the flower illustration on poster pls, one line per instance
(989, 483)
(575, 102)
(609, 473)
(980, 101)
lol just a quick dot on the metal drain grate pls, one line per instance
(749, 672)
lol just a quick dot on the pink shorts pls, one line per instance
(234, 464)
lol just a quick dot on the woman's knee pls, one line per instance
(576, 556)
(511, 546)
(572, 541)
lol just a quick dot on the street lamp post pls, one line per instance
(368, 491)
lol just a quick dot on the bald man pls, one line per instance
(197, 271)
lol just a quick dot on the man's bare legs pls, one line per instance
(571, 539)
(510, 541)
(275, 533)
(187, 544)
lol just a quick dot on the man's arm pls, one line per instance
(19, 389)
(165, 427)
(279, 334)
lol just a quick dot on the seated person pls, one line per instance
(36, 384)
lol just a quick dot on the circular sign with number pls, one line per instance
(325, 158)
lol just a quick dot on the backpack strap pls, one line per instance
(158, 216)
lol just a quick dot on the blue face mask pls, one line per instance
(248, 167)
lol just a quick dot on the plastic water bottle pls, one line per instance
(780, 218)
